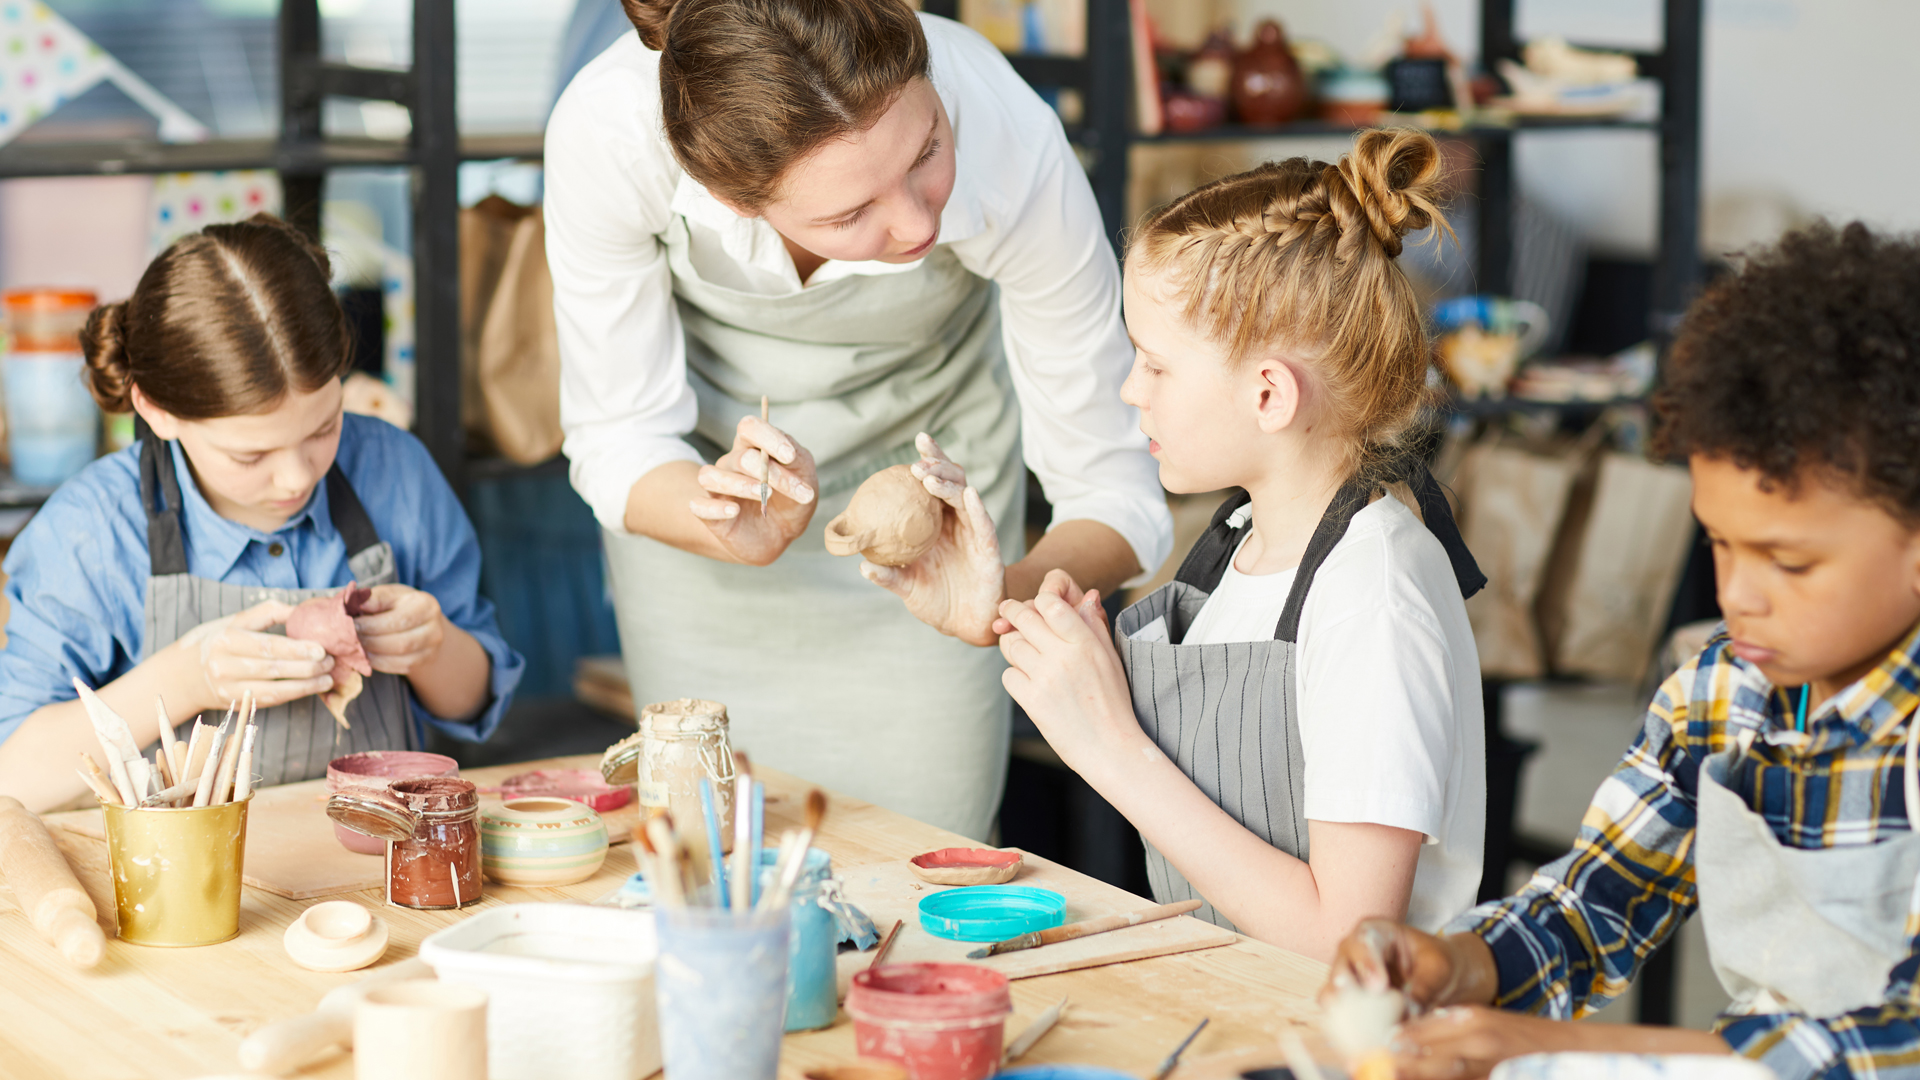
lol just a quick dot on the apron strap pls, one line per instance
(166, 535)
(1207, 562)
(166, 540)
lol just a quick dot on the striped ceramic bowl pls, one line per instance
(541, 842)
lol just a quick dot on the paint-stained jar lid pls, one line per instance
(621, 763)
(375, 813)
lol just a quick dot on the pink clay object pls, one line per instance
(328, 622)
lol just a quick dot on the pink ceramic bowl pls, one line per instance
(375, 770)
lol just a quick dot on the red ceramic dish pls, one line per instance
(374, 770)
(579, 785)
(966, 866)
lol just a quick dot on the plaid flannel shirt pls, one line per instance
(1573, 939)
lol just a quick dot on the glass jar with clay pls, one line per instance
(679, 744)
(432, 834)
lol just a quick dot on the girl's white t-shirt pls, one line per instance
(1389, 697)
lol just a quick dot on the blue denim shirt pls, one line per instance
(77, 574)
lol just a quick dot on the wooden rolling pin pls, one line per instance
(45, 888)
(285, 1045)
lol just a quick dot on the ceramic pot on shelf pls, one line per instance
(1268, 86)
(543, 841)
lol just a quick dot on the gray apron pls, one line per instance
(1807, 930)
(824, 674)
(296, 739)
(1228, 714)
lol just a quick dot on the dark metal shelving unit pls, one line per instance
(303, 154)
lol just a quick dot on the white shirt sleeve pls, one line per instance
(1376, 693)
(625, 403)
(1044, 243)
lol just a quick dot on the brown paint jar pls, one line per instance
(431, 827)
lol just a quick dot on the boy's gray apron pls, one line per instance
(1228, 715)
(824, 674)
(1805, 930)
(296, 739)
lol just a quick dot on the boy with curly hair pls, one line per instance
(1774, 786)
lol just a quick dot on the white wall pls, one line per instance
(1807, 101)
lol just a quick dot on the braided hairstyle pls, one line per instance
(1299, 255)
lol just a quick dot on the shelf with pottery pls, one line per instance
(184, 1012)
(1475, 126)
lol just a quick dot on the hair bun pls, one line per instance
(650, 17)
(1394, 176)
(109, 372)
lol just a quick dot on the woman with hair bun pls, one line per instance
(867, 217)
(159, 571)
(1294, 723)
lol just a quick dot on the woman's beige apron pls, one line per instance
(1807, 930)
(824, 674)
(296, 739)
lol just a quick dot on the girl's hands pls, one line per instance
(956, 586)
(731, 510)
(222, 659)
(400, 628)
(1064, 671)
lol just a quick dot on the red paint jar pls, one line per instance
(432, 835)
(941, 1021)
(373, 770)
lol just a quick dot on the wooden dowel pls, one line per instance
(168, 739)
(243, 779)
(229, 761)
(203, 793)
(97, 780)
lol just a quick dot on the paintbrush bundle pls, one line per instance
(666, 851)
(214, 766)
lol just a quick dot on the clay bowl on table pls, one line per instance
(966, 866)
(544, 841)
(338, 935)
(375, 770)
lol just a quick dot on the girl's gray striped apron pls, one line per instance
(296, 739)
(824, 674)
(1228, 714)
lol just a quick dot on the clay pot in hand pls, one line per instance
(892, 520)
(1268, 87)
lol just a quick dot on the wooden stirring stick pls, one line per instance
(740, 887)
(102, 787)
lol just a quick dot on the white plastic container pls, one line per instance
(570, 988)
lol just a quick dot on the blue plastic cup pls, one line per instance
(812, 992)
(721, 986)
(53, 426)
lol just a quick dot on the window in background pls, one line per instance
(218, 60)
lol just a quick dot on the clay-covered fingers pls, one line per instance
(1025, 619)
(275, 668)
(944, 479)
(262, 616)
(887, 577)
(1469, 1040)
(781, 479)
(729, 483)
(753, 433)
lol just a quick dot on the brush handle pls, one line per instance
(1115, 922)
(714, 842)
(756, 840)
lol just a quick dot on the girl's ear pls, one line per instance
(1281, 392)
(164, 424)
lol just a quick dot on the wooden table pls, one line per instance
(181, 1013)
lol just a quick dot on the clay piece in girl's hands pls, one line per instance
(892, 519)
(327, 621)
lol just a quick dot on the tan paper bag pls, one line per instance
(1628, 561)
(1513, 500)
(486, 235)
(519, 361)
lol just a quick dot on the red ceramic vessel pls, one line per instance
(1268, 86)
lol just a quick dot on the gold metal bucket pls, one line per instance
(176, 872)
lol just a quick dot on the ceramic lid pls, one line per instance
(621, 763)
(991, 912)
(374, 813)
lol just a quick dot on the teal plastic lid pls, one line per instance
(991, 912)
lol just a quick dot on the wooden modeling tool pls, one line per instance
(203, 790)
(765, 490)
(168, 742)
(1173, 1059)
(796, 858)
(103, 788)
(1037, 938)
(1040, 1026)
(243, 780)
(880, 954)
(44, 886)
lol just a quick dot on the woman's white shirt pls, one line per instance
(1021, 215)
(1390, 708)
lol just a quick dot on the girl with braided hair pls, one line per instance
(1294, 723)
